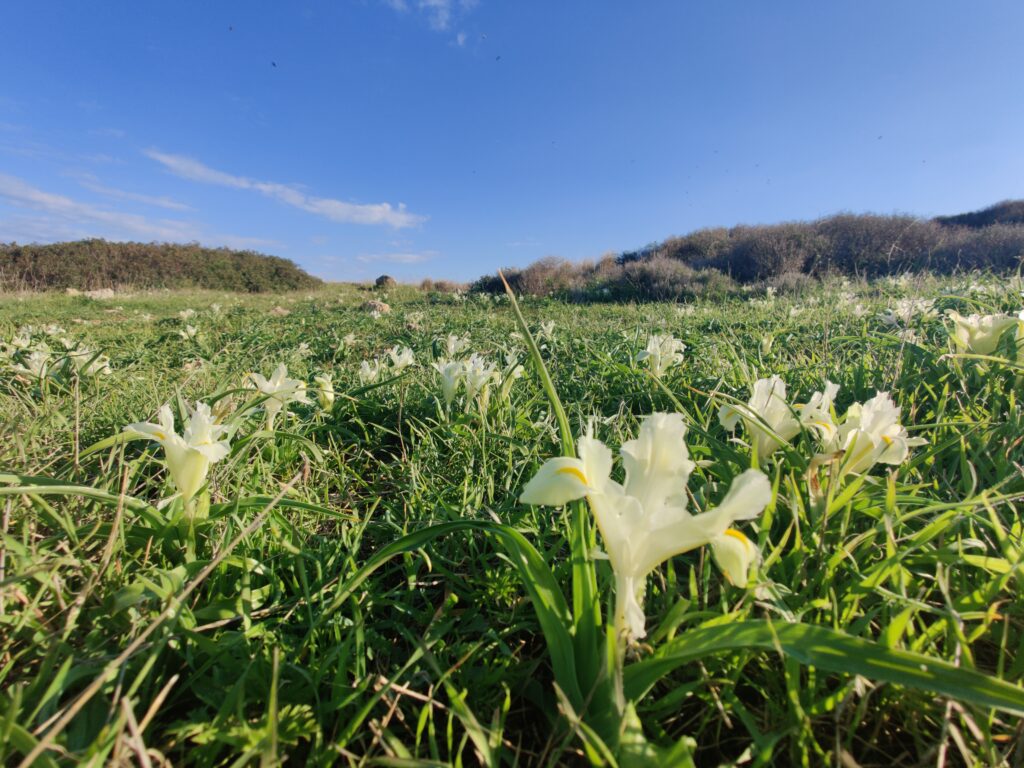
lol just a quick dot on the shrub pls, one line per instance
(998, 247)
(1006, 212)
(384, 281)
(92, 264)
(756, 253)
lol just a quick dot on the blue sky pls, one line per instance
(451, 137)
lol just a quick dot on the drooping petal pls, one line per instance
(734, 553)
(748, 495)
(557, 482)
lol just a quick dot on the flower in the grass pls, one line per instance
(663, 352)
(280, 390)
(645, 521)
(401, 358)
(767, 417)
(979, 334)
(771, 422)
(451, 373)
(324, 390)
(34, 364)
(189, 332)
(454, 344)
(816, 413)
(478, 375)
(871, 434)
(370, 371)
(89, 363)
(190, 454)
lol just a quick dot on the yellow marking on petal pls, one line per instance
(737, 535)
(572, 471)
(888, 440)
(160, 435)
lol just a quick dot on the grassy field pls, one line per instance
(358, 582)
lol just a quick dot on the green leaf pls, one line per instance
(829, 650)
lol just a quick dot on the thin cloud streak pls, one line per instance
(335, 210)
(90, 182)
(62, 218)
(20, 193)
(396, 258)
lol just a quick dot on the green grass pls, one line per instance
(294, 622)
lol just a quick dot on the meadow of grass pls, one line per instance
(359, 583)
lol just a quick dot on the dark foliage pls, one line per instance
(1006, 212)
(90, 264)
(707, 261)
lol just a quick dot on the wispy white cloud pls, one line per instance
(397, 258)
(24, 195)
(439, 13)
(90, 182)
(57, 217)
(335, 210)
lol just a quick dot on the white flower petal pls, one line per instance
(557, 482)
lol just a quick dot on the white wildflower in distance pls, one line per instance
(35, 364)
(662, 353)
(401, 358)
(324, 390)
(451, 373)
(645, 521)
(187, 314)
(189, 455)
(189, 332)
(478, 375)
(370, 371)
(454, 344)
(89, 363)
(280, 390)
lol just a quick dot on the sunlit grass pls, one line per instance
(271, 620)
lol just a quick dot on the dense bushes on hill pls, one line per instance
(715, 260)
(1006, 212)
(89, 264)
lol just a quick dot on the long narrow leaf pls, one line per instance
(829, 650)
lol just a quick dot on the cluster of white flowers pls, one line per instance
(870, 433)
(477, 375)
(398, 359)
(29, 353)
(905, 310)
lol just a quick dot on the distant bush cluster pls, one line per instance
(717, 261)
(93, 264)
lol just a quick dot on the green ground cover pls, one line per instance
(360, 584)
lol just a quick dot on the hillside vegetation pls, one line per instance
(718, 261)
(90, 264)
